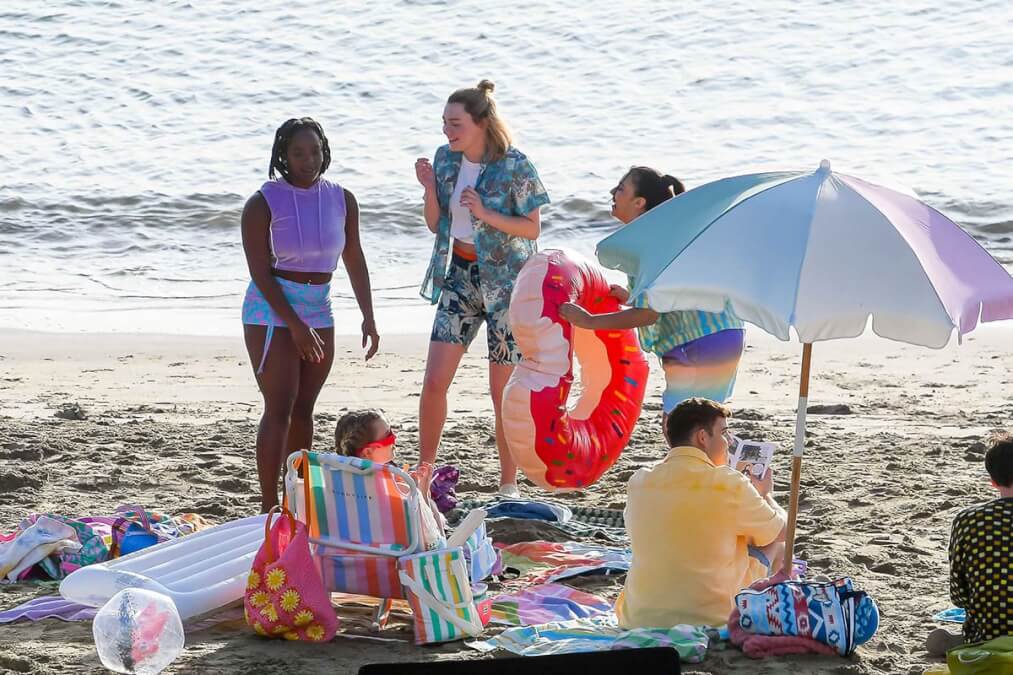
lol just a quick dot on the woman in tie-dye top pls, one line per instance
(699, 351)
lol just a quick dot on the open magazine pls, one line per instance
(750, 457)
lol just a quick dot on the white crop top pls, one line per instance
(461, 227)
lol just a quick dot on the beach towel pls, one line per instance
(593, 634)
(44, 537)
(590, 515)
(582, 523)
(529, 509)
(546, 603)
(48, 607)
(765, 646)
(516, 530)
(94, 537)
(545, 562)
(181, 525)
(98, 535)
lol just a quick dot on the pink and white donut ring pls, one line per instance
(556, 447)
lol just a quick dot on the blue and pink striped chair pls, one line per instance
(362, 517)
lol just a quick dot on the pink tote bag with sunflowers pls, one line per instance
(285, 596)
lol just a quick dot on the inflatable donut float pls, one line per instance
(557, 447)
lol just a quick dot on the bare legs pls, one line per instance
(441, 366)
(290, 387)
(499, 374)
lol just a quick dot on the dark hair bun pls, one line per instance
(677, 187)
(486, 86)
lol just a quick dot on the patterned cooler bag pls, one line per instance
(833, 613)
(439, 592)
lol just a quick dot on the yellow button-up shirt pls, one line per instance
(689, 524)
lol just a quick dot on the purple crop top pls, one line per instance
(307, 225)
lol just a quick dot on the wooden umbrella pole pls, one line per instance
(796, 460)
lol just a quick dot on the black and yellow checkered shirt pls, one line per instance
(981, 569)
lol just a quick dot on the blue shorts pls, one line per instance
(758, 555)
(311, 302)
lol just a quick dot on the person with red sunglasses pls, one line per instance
(365, 434)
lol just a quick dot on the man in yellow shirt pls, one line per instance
(692, 522)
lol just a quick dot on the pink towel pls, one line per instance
(764, 646)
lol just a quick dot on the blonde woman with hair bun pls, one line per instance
(482, 199)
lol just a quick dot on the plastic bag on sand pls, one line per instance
(138, 631)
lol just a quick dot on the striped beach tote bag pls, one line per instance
(439, 592)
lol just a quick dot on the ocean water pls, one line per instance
(134, 131)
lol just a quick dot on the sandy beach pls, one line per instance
(89, 421)
(136, 133)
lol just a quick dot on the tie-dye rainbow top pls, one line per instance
(677, 328)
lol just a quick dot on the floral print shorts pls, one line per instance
(462, 310)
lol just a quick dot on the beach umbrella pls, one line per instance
(819, 252)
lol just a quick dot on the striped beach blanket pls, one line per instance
(546, 561)
(546, 603)
(599, 633)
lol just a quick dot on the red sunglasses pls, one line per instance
(384, 442)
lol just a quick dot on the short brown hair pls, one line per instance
(480, 105)
(352, 431)
(690, 415)
(999, 459)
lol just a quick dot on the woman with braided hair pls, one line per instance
(294, 230)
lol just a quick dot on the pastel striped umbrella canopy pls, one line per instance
(817, 251)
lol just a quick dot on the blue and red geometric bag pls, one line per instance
(833, 613)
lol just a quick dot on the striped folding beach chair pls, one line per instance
(362, 517)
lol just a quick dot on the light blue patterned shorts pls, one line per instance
(311, 302)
